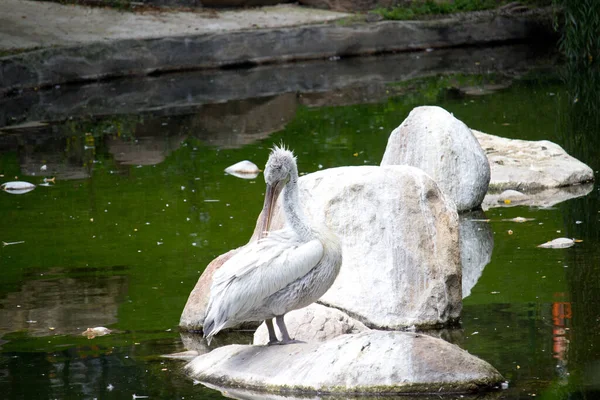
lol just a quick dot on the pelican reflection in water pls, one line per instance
(283, 271)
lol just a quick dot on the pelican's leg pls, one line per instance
(284, 332)
(272, 335)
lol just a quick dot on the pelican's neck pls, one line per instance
(293, 210)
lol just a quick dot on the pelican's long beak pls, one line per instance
(271, 196)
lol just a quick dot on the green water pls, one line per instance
(122, 246)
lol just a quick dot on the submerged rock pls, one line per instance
(432, 139)
(373, 362)
(526, 166)
(315, 323)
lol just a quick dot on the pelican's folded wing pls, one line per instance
(256, 272)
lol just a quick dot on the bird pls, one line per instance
(284, 270)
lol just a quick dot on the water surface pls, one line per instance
(141, 205)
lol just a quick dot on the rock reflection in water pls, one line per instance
(543, 199)
(61, 306)
(476, 247)
(250, 395)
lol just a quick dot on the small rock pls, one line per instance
(560, 243)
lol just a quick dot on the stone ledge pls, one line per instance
(100, 60)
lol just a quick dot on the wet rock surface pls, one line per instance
(374, 362)
(432, 139)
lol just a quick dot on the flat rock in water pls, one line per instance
(373, 362)
(315, 323)
(432, 139)
(525, 165)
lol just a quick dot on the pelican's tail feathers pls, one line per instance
(211, 328)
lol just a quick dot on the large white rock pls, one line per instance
(530, 165)
(399, 234)
(365, 363)
(315, 323)
(432, 139)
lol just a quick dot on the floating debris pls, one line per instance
(244, 169)
(50, 180)
(17, 187)
(11, 243)
(43, 167)
(97, 331)
(519, 219)
(510, 232)
(135, 396)
(110, 387)
(560, 243)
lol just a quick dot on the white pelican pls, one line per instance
(283, 271)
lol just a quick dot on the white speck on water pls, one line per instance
(159, 243)
(147, 223)
(194, 244)
(211, 200)
(110, 387)
(187, 218)
(579, 222)
(183, 188)
(320, 166)
(475, 333)
(139, 251)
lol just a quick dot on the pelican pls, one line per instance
(283, 271)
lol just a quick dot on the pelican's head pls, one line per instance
(280, 167)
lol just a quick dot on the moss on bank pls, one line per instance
(423, 9)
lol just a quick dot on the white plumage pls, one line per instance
(283, 271)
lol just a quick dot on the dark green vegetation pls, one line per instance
(123, 245)
(422, 9)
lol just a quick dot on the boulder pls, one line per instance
(529, 166)
(371, 362)
(315, 323)
(392, 275)
(431, 138)
(192, 317)
(476, 247)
